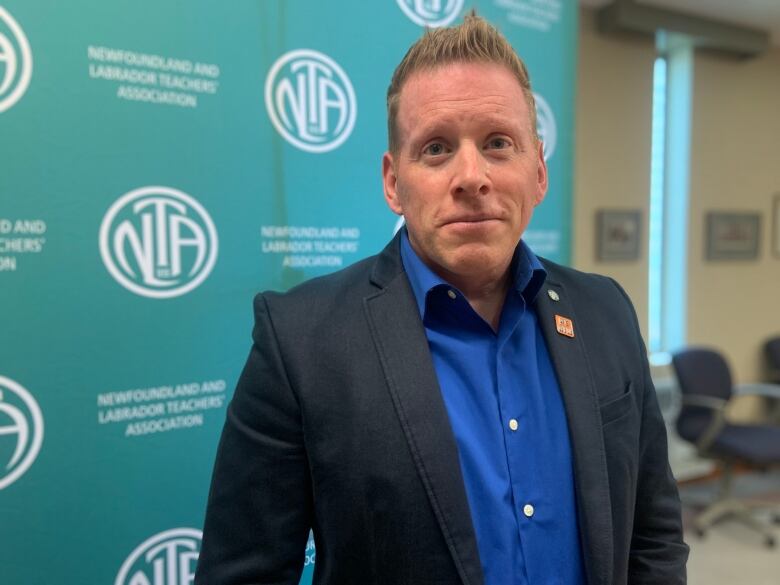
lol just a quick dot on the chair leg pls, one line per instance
(745, 515)
(726, 506)
(714, 513)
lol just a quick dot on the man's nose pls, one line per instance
(471, 171)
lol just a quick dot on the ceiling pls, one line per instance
(763, 14)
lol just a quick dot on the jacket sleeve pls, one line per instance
(259, 507)
(658, 554)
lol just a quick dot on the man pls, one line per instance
(453, 410)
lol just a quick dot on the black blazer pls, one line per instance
(338, 424)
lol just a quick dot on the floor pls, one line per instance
(730, 553)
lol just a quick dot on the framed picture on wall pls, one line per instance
(732, 236)
(776, 226)
(617, 233)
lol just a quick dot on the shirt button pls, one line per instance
(451, 294)
(528, 510)
(513, 424)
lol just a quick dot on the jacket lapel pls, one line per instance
(584, 421)
(402, 346)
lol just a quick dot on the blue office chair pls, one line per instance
(706, 386)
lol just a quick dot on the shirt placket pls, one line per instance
(514, 421)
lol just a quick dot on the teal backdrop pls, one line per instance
(161, 162)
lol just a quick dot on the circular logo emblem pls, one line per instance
(21, 431)
(15, 61)
(545, 126)
(167, 558)
(310, 100)
(431, 13)
(158, 242)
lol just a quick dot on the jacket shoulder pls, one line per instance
(598, 293)
(318, 303)
(571, 277)
(346, 281)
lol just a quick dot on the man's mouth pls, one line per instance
(470, 219)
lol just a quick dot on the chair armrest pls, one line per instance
(704, 401)
(765, 390)
(718, 406)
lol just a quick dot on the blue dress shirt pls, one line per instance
(507, 415)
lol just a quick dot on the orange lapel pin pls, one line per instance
(564, 326)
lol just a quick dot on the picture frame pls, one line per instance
(732, 235)
(618, 234)
(776, 226)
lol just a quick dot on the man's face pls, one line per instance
(468, 171)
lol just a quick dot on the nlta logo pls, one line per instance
(545, 126)
(167, 558)
(158, 242)
(21, 431)
(15, 61)
(431, 13)
(310, 100)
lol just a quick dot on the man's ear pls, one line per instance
(390, 184)
(541, 175)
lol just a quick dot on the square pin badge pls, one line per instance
(564, 326)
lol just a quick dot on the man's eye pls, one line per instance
(498, 143)
(434, 149)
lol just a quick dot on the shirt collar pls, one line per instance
(528, 273)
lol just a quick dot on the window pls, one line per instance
(669, 187)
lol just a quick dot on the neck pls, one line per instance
(485, 295)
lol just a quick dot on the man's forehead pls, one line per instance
(438, 75)
(450, 90)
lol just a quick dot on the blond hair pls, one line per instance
(474, 41)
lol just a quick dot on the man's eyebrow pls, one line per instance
(496, 123)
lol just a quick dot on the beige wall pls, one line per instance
(735, 165)
(612, 147)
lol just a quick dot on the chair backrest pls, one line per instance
(772, 353)
(703, 372)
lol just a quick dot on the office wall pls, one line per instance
(735, 166)
(612, 147)
(732, 305)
